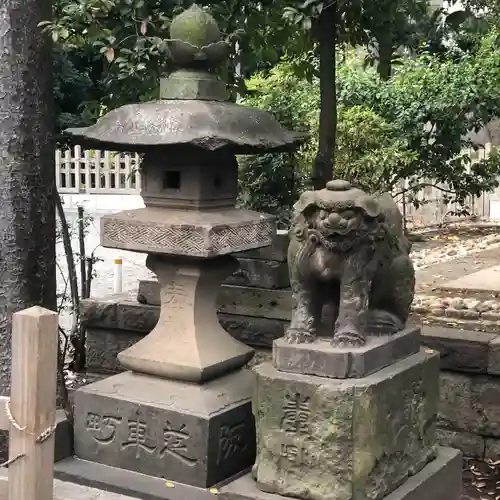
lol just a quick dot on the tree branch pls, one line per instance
(418, 187)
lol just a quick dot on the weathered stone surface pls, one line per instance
(277, 251)
(149, 292)
(331, 439)
(343, 256)
(188, 342)
(260, 273)
(258, 302)
(63, 439)
(103, 346)
(471, 445)
(470, 403)
(189, 181)
(441, 479)
(492, 449)
(456, 411)
(66, 490)
(186, 232)
(194, 434)
(124, 482)
(461, 350)
(209, 125)
(131, 315)
(494, 356)
(101, 311)
(261, 356)
(324, 360)
(236, 300)
(255, 332)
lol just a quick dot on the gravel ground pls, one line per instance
(444, 248)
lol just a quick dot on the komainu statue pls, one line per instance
(348, 251)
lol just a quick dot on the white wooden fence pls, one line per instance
(105, 172)
(93, 171)
(30, 413)
(434, 209)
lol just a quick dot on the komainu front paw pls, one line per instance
(348, 336)
(296, 336)
(380, 322)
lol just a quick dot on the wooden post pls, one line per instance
(33, 404)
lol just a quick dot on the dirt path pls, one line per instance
(438, 274)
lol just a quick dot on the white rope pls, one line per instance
(39, 438)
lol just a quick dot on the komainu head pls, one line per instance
(337, 216)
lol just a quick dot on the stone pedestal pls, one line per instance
(438, 480)
(194, 434)
(188, 342)
(351, 439)
(322, 359)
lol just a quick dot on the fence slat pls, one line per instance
(57, 159)
(33, 404)
(137, 173)
(89, 171)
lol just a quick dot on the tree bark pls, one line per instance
(27, 173)
(324, 162)
(384, 56)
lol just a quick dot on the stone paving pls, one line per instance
(71, 491)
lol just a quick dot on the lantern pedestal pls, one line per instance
(194, 434)
(188, 342)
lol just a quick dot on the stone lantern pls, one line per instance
(183, 409)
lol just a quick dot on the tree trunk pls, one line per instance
(27, 173)
(384, 56)
(324, 162)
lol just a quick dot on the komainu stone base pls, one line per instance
(440, 479)
(198, 435)
(352, 439)
(324, 360)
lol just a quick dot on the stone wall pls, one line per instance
(255, 306)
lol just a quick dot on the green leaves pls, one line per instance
(434, 104)
(413, 127)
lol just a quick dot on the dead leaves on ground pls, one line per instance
(481, 480)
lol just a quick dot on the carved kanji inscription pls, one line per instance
(175, 443)
(102, 427)
(296, 414)
(232, 440)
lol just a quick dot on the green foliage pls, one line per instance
(273, 182)
(434, 104)
(125, 42)
(412, 127)
(370, 151)
(73, 88)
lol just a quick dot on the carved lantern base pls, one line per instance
(188, 342)
(187, 433)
